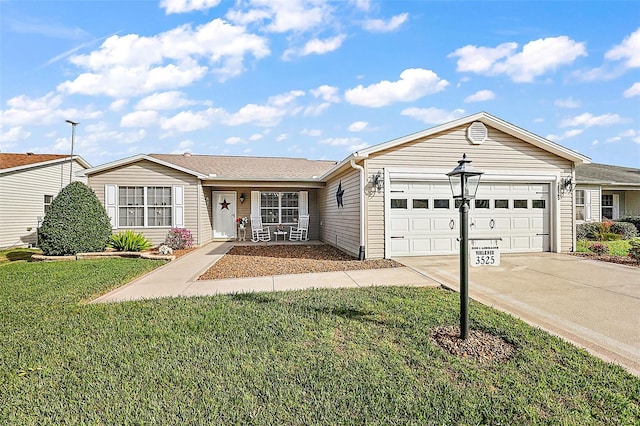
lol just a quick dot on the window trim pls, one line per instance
(176, 206)
(280, 208)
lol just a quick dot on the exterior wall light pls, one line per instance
(242, 198)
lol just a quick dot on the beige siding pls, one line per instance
(340, 227)
(146, 173)
(440, 153)
(22, 200)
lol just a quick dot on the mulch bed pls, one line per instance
(479, 345)
(622, 260)
(260, 261)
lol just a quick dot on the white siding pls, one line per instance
(440, 153)
(22, 200)
(146, 173)
(340, 227)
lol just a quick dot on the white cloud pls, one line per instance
(282, 137)
(14, 134)
(363, 5)
(340, 141)
(536, 58)
(632, 91)
(24, 110)
(567, 103)
(358, 126)
(139, 119)
(627, 51)
(566, 135)
(480, 96)
(358, 146)
(590, 120)
(256, 137)
(184, 146)
(316, 47)
(260, 115)
(131, 65)
(380, 26)
(316, 110)
(233, 140)
(187, 121)
(118, 104)
(414, 83)
(164, 101)
(282, 15)
(327, 93)
(285, 99)
(183, 6)
(311, 132)
(433, 115)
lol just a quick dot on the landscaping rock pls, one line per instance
(479, 345)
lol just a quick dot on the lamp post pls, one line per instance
(464, 181)
(73, 137)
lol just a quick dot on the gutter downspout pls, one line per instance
(361, 252)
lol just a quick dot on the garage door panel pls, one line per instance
(399, 224)
(421, 245)
(400, 245)
(421, 224)
(442, 245)
(444, 224)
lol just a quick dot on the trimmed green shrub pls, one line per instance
(129, 241)
(179, 238)
(631, 219)
(75, 223)
(599, 248)
(625, 229)
(634, 249)
(587, 231)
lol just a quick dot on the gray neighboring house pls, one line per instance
(388, 200)
(28, 184)
(604, 191)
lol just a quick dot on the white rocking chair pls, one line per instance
(259, 232)
(300, 232)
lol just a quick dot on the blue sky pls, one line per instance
(313, 78)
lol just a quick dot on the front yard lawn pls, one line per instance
(347, 356)
(616, 248)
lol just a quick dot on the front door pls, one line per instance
(224, 214)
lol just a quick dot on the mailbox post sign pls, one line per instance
(484, 253)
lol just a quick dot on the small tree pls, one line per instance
(76, 222)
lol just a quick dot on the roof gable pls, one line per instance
(10, 162)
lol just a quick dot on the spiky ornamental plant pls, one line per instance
(75, 223)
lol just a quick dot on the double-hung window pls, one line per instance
(580, 204)
(48, 199)
(279, 207)
(145, 206)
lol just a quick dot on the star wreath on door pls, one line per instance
(224, 204)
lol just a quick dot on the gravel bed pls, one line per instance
(622, 260)
(260, 261)
(479, 345)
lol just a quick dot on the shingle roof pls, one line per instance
(9, 161)
(238, 167)
(605, 173)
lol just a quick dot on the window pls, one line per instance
(279, 207)
(538, 204)
(580, 204)
(501, 204)
(397, 203)
(520, 204)
(607, 206)
(457, 203)
(48, 199)
(440, 204)
(482, 204)
(420, 204)
(145, 206)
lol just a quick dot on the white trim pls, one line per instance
(136, 158)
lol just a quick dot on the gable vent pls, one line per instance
(477, 133)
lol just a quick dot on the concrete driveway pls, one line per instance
(595, 305)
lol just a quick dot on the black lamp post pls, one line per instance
(73, 137)
(464, 181)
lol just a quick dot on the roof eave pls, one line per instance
(78, 158)
(139, 157)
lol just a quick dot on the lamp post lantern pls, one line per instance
(73, 137)
(464, 181)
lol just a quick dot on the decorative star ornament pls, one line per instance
(224, 204)
(339, 194)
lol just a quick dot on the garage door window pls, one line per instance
(538, 204)
(501, 204)
(399, 203)
(520, 204)
(482, 204)
(420, 204)
(457, 203)
(440, 204)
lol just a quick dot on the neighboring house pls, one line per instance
(392, 199)
(28, 184)
(606, 192)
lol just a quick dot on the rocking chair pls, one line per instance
(300, 232)
(259, 232)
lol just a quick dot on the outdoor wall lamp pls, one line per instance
(464, 181)
(565, 186)
(376, 180)
(242, 198)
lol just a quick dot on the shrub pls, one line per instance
(587, 231)
(599, 248)
(626, 230)
(129, 241)
(76, 222)
(631, 219)
(179, 238)
(634, 249)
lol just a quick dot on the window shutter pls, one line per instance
(303, 203)
(255, 203)
(178, 206)
(111, 204)
(587, 205)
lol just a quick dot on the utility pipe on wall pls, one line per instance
(361, 252)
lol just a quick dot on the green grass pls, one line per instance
(616, 248)
(348, 356)
(16, 255)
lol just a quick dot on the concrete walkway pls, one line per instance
(180, 278)
(595, 305)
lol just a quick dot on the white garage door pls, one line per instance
(424, 218)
